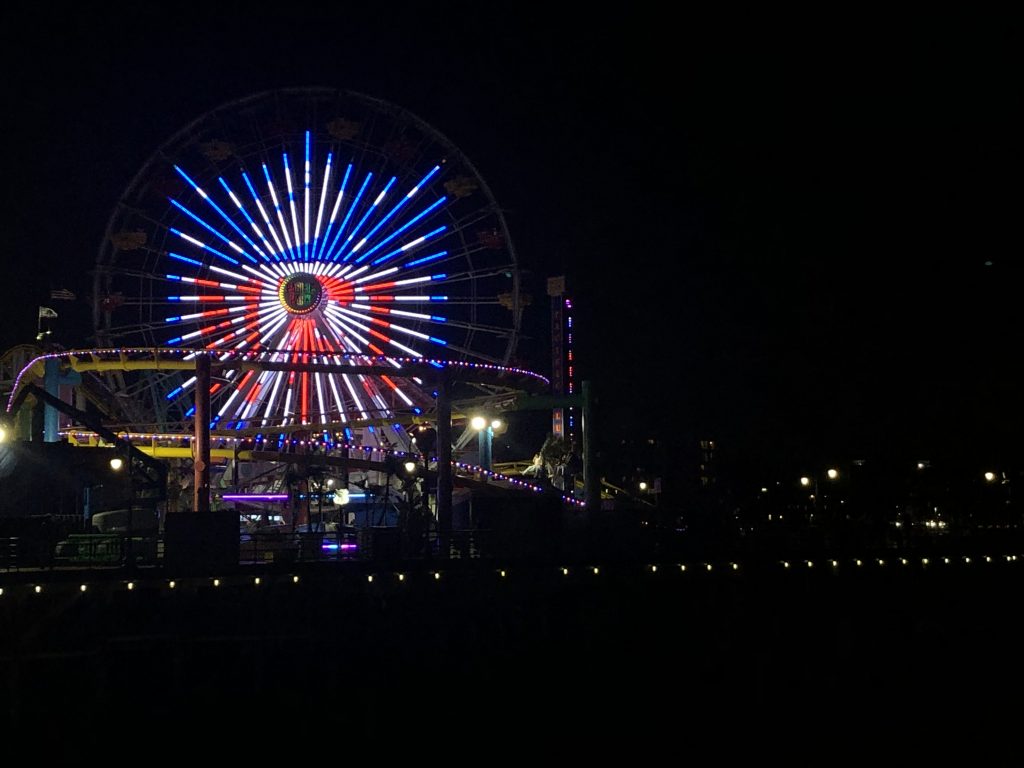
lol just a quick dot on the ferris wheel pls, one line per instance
(305, 225)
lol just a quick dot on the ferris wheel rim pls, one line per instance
(107, 259)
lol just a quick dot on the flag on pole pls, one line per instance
(62, 294)
(46, 312)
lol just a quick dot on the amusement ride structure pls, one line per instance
(303, 292)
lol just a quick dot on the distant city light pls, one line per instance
(832, 474)
(990, 476)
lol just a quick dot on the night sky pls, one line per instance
(794, 235)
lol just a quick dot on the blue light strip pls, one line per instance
(369, 212)
(291, 206)
(425, 259)
(185, 210)
(323, 200)
(440, 201)
(305, 245)
(402, 202)
(397, 251)
(203, 246)
(266, 218)
(348, 215)
(219, 210)
(277, 210)
(334, 212)
(248, 218)
(187, 260)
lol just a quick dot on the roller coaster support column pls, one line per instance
(51, 384)
(201, 444)
(485, 442)
(444, 454)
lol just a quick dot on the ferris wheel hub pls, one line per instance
(300, 293)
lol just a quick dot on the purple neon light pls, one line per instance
(255, 497)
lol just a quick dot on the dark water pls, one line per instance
(810, 665)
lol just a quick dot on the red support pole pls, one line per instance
(201, 444)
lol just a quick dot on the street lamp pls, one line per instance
(485, 438)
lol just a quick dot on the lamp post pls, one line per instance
(485, 439)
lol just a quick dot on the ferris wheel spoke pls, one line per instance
(390, 214)
(320, 208)
(291, 207)
(330, 254)
(266, 219)
(334, 213)
(252, 223)
(369, 212)
(277, 210)
(202, 193)
(411, 244)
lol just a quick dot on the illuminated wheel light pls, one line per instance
(312, 309)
